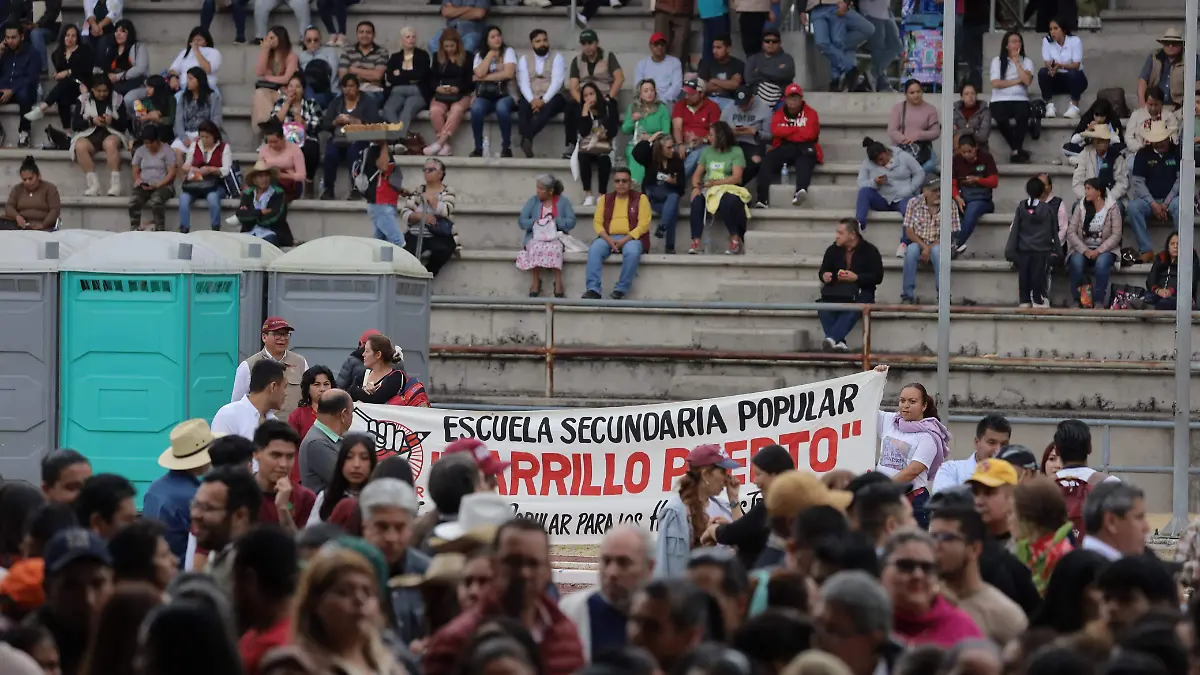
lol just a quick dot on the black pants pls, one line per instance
(573, 109)
(752, 150)
(601, 162)
(590, 7)
(530, 123)
(312, 157)
(731, 210)
(64, 96)
(439, 249)
(1012, 119)
(1033, 273)
(786, 153)
(751, 26)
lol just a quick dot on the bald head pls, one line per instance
(335, 409)
(626, 563)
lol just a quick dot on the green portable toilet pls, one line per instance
(252, 255)
(149, 338)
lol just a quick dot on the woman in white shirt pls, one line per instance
(1062, 69)
(1012, 73)
(913, 443)
(99, 20)
(199, 53)
(495, 69)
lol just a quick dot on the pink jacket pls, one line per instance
(921, 122)
(943, 625)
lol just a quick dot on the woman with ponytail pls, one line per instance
(385, 380)
(913, 445)
(33, 203)
(685, 517)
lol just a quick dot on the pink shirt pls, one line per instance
(291, 159)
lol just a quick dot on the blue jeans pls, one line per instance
(185, 209)
(777, 10)
(931, 165)
(665, 202)
(975, 210)
(383, 217)
(1139, 212)
(714, 27)
(38, 39)
(691, 161)
(208, 9)
(869, 200)
(1077, 265)
(335, 155)
(470, 41)
(884, 46)
(838, 37)
(503, 107)
(598, 252)
(838, 324)
(912, 256)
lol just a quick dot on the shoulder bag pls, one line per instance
(921, 150)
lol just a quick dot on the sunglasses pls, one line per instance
(909, 566)
(430, 169)
(619, 181)
(770, 41)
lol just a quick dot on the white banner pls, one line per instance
(583, 470)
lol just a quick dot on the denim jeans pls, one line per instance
(714, 27)
(383, 217)
(691, 161)
(884, 46)
(838, 324)
(912, 256)
(185, 209)
(838, 37)
(598, 252)
(39, 38)
(335, 155)
(1139, 212)
(975, 210)
(665, 202)
(503, 107)
(869, 200)
(208, 9)
(470, 42)
(1077, 265)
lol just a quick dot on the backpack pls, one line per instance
(1075, 493)
(319, 76)
(1115, 96)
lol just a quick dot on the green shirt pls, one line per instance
(719, 165)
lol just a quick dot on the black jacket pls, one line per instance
(1165, 274)
(274, 218)
(865, 262)
(352, 370)
(1009, 575)
(643, 153)
(748, 533)
(1034, 230)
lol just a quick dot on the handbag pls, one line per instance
(839, 292)
(232, 183)
(491, 91)
(921, 150)
(200, 188)
(595, 143)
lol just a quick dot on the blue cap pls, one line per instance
(71, 544)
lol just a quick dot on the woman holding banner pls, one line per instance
(685, 516)
(913, 443)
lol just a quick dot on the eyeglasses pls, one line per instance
(619, 181)
(312, 39)
(946, 537)
(910, 566)
(430, 169)
(770, 41)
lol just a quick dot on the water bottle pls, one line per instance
(783, 175)
(487, 146)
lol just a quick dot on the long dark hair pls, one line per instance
(284, 49)
(930, 409)
(723, 138)
(60, 51)
(601, 105)
(113, 643)
(17, 501)
(187, 637)
(1004, 51)
(198, 30)
(483, 46)
(203, 90)
(162, 96)
(308, 379)
(130, 33)
(1066, 593)
(338, 485)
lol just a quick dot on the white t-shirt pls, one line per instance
(1070, 51)
(1017, 92)
(183, 63)
(1083, 473)
(510, 56)
(899, 448)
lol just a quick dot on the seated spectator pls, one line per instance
(1032, 242)
(972, 116)
(383, 192)
(850, 272)
(299, 119)
(922, 225)
(921, 614)
(319, 65)
(691, 119)
(662, 183)
(154, 169)
(750, 120)
(33, 204)
(199, 53)
(466, 18)
(495, 68)
(204, 171)
(545, 215)
(541, 87)
(721, 73)
(427, 214)
(1093, 240)
(887, 180)
(72, 63)
(884, 44)
(975, 177)
(199, 103)
(1062, 69)
(263, 211)
(367, 61)
(1152, 111)
(838, 31)
(262, 14)
(128, 62)
(717, 190)
(622, 225)
(99, 17)
(1154, 186)
(1043, 534)
(99, 122)
(408, 78)
(40, 31)
(1163, 280)
(795, 131)
(596, 128)
(452, 89)
(596, 66)
(1011, 74)
(914, 125)
(645, 117)
(1103, 159)
(286, 157)
(237, 10)
(20, 70)
(1164, 69)
(1100, 114)
(350, 107)
(665, 70)
(334, 14)
(157, 107)
(771, 70)
(276, 65)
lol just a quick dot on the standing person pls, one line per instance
(663, 183)
(691, 119)
(276, 336)
(601, 613)
(622, 225)
(644, 117)
(313, 383)
(684, 518)
(385, 380)
(921, 613)
(664, 69)
(451, 79)
(318, 447)
(595, 66)
(1114, 519)
(154, 168)
(383, 192)
(914, 125)
(596, 129)
(388, 508)
(264, 580)
(408, 80)
(226, 505)
(99, 123)
(63, 475)
(105, 504)
(673, 22)
(352, 106)
(922, 227)
(719, 70)
(545, 215)
(993, 484)
(795, 139)
(1043, 534)
(1093, 240)
(75, 559)
(72, 63)
(352, 369)
(366, 61)
(33, 203)
(355, 462)
(1032, 242)
(285, 501)
(1062, 54)
(267, 393)
(427, 213)
(750, 120)
(913, 445)
(1163, 281)
(277, 63)
(169, 498)
(838, 31)
(204, 171)
(495, 69)
(1154, 186)
(858, 614)
(113, 643)
(850, 271)
(884, 44)
(20, 69)
(749, 534)
(301, 115)
(211, 647)
(975, 177)
(141, 554)
(541, 87)
(1011, 75)
(992, 433)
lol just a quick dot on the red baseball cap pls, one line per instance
(710, 455)
(368, 333)
(658, 37)
(488, 463)
(793, 89)
(274, 323)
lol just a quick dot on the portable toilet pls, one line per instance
(333, 288)
(252, 255)
(79, 238)
(149, 339)
(29, 264)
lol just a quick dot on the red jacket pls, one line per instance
(803, 128)
(560, 649)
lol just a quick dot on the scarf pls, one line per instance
(943, 624)
(1042, 556)
(934, 427)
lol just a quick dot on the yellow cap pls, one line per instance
(994, 473)
(793, 491)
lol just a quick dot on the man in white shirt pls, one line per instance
(626, 564)
(267, 389)
(276, 336)
(991, 433)
(1114, 517)
(541, 84)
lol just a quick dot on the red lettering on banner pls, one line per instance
(756, 444)
(734, 448)
(524, 468)
(576, 472)
(792, 442)
(589, 488)
(674, 466)
(555, 469)
(830, 436)
(610, 472)
(635, 486)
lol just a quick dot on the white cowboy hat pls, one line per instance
(189, 446)
(446, 568)
(1102, 132)
(1171, 36)
(479, 517)
(261, 167)
(1157, 132)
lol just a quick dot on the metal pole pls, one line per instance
(1183, 314)
(991, 19)
(945, 239)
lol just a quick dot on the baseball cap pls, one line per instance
(956, 497)
(1019, 456)
(994, 473)
(658, 37)
(933, 182)
(710, 455)
(794, 491)
(742, 94)
(71, 544)
(793, 89)
(588, 36)
(691, 85)
(274, 323)
(488, 463)
(368, 333)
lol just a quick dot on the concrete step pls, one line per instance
(709, 386)
(766, 340)
(756, 290)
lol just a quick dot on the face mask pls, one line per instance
(541, 51)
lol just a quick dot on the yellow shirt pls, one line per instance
(619, 225)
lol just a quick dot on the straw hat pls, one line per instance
(1102, 133)
(445, 568)
(1171, 36)
(189, 446)
(1157, 132)
(479, 517)
(259, 167)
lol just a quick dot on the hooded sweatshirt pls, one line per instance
(1034, 230)
(757, 117)
(943, 625)
(904, 176)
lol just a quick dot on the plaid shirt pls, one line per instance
(925, 222)
(310, 115)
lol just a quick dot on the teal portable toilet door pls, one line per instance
(212, 343)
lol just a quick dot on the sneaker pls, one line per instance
(431, 150)
(589, 201)
(355, 195)
(617, 295)
(907, 301)
(477, 152)
(900, 250)
(445, 151)
(506, 152)
(1044, 303)
(961, 248)
(570, 150)
(615, 4)
(537, 3)
(735, 247)
(850, 79)
(1072, 112)
(761, 205)
(660, 232)
(694, 248)
(36, 113)
(1024, 305)
(591, 295)
(526, 143)
(23, 138)
(800, 196)
(1051, 111)
(1022, 157)
(828, 344)
(841, 347)
(327, 195)
(581, 20)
